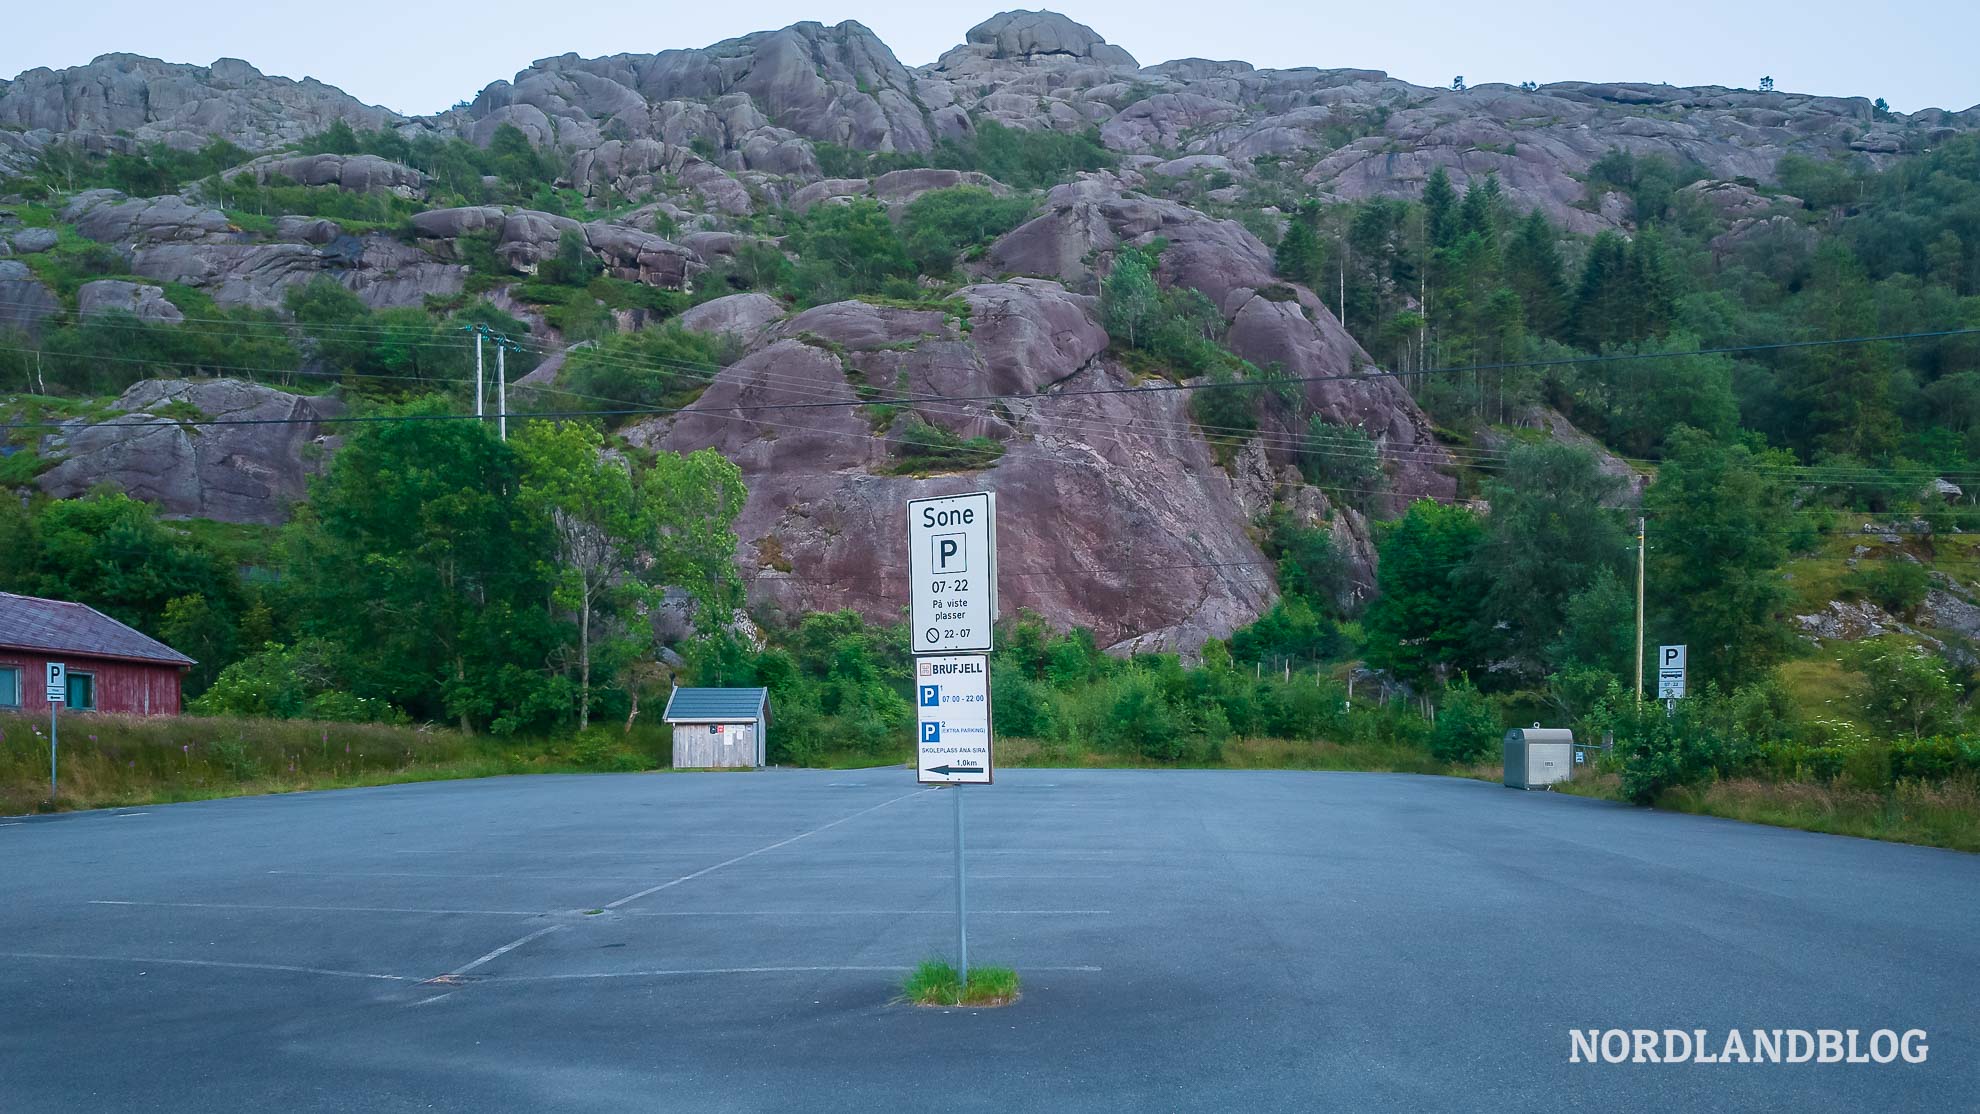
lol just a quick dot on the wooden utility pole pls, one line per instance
(1640, 531)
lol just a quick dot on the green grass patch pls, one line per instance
(112, 760)
(922, 449)
(935, 983)
(1233, 754)
(1934, 814)
(239, 543)
(19, 468)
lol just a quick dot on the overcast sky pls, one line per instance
(419, 57)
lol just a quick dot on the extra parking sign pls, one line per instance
(952, 720)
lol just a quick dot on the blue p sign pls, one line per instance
(931, 696)
(931, 732)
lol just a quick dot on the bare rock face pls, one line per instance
(146, 303)
(839, 84)
(1113, 513)
(742, 316)
(1271, 323)
(24, 302)
(111, 218)
(142, 101)
(356, 173)
(32, 241)
(1845, 621)
(525, 238)
(1030, 35)
(245, 473)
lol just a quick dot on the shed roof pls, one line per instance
(62, 627)
(717, 705)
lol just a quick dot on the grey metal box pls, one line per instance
(1537, 757)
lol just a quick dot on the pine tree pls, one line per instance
(1649, 287)
(1846, 387)
(1440, 209)
(1299, 255)
(1533, 271)
(1601, 309)
(1478, 215)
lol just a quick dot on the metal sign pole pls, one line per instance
(52, 706)
(962, 898)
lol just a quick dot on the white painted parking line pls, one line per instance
(157, 961)
(504, 950)
(322, 908)
(689, 971)
(772, 847)
(552, 856)
(865, 913)
(562, 877)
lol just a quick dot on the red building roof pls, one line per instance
(58, 626)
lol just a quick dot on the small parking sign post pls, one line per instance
(1670, 674)
(952, 608)
(57, 691)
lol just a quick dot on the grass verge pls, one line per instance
(934, 983)
(109, 761)
(1933, 814)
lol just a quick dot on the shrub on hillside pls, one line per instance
(1898, 586)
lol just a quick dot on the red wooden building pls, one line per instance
(112, 668)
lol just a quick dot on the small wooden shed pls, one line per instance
(716, 728)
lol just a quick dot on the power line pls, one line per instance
(1150, 389)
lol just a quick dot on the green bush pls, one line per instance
(1692, 743)
(918, 446)
(1343, 461)
(1293, 629)
(845, 251)
(1021, 708)
(1016, 156)
(1140, 722)
(1907, 689)
(1896, 585)
(1467, 728)
(660, 368)
(942, 224)
(289, 682)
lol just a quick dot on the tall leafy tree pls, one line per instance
(416, 555)
(1129, 298)
(1420, 623)
(590, 503)
(688, 503)
(1722, 526)
(109, 551)
(1549, 535)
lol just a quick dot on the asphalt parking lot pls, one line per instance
(1187, 940)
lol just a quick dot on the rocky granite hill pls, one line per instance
(670, 172)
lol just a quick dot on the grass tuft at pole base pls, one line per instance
(934, 983)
